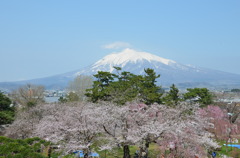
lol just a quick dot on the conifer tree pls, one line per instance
(100, 90)
(149, 91)
(125, 86)
(172, 98)
(201, 95)
(6, 111)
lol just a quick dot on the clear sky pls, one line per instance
(40, 38)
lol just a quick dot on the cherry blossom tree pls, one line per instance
(226, 124)
(139, 124)
(219, 118)
(186, 135)
(25, 122)
(77, 126)
(118, 125)
(73, 126)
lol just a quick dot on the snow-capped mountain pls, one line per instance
(170, 71)
(124, 58)
(135, 62)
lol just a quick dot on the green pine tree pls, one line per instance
(125, 86)
(100, 90)
(172, 97)
(6, 111)
(149, 91)
(201, 95)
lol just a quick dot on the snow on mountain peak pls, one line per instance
(130, 55)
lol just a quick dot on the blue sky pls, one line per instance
(42, 38)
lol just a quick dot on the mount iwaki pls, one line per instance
(184, 76)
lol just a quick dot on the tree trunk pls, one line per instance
(143, 153)
(146, 149)
(126, 151)
(141, 150)
(86, 153)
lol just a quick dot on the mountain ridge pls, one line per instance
(135, 62)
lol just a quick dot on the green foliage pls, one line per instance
(123, 90)
(149, 91)
(117, 152)
(100, 90)
(235, 90)
(235, 152)
(21, 148)
(62, 100)
(203, 95)
(31, 103)
(4, 102)
(6, 117)
(125, 86)
(172, 98)
(71, 97)
(6, 112)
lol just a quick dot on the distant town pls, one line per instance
(55, 93)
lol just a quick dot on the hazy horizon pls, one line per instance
(44, 38)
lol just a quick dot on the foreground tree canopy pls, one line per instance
(23, 148)
(125, 86)
(179, 128)
(108, 125)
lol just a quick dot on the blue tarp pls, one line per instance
(233, 145)
(80, 152)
